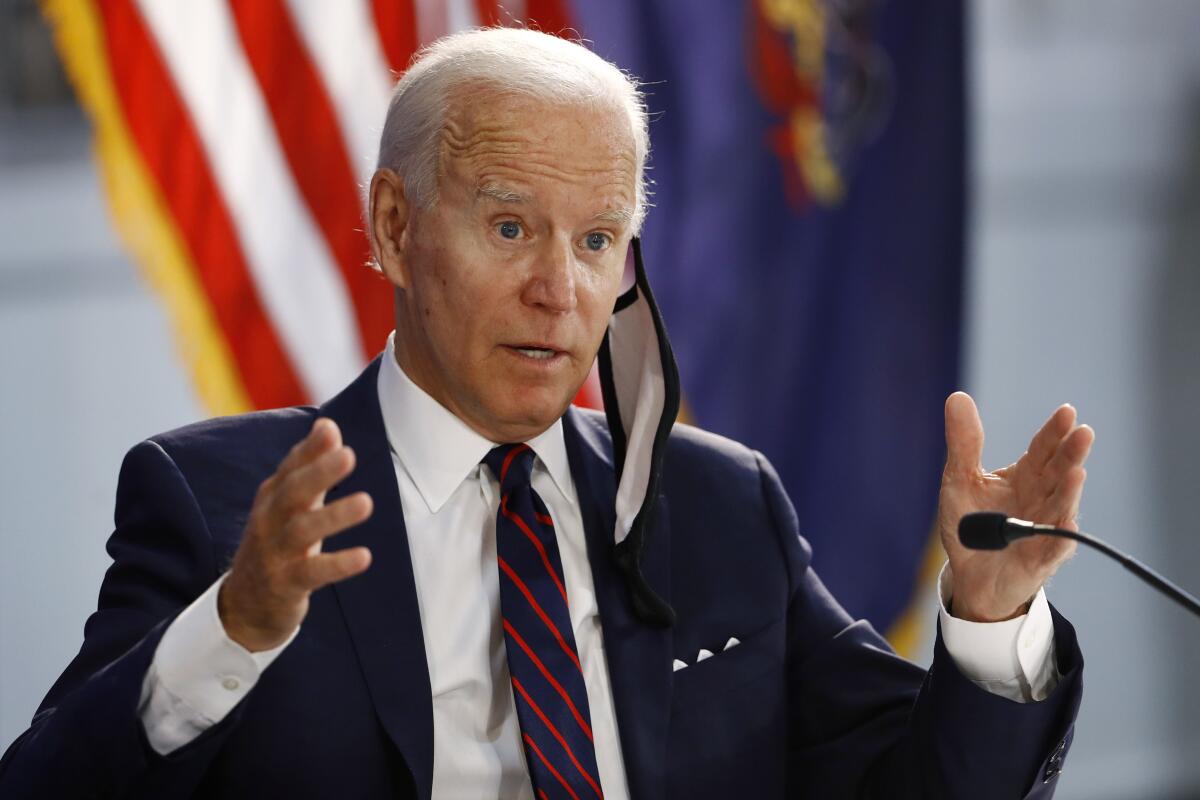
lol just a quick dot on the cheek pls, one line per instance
(598, 290)
(469, 312)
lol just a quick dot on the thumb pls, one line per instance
(964, 435)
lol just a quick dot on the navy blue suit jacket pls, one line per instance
(811, 704)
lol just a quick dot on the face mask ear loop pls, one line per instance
(637, 305)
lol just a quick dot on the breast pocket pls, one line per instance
(728, 731)
(756, 656)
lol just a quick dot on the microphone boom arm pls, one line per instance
(1130, 563)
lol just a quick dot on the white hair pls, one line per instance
(511, 60)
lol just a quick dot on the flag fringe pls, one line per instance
(139, 213)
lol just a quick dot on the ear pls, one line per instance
(388, 212)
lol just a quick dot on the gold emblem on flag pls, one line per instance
(818, 70)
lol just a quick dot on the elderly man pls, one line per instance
(408, 591)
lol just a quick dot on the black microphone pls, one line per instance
(991, 530)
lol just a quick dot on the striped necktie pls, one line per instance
(547, 680)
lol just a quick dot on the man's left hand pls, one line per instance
(1044, 485)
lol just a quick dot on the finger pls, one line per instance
(325, 568)
(1062, 507)
(304, 487)
(964, 436)
(1072, 451)
(311, 527)
(323, 437)
(1045, 442)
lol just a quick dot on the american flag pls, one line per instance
(235, 138)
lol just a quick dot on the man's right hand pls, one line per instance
(279, 562)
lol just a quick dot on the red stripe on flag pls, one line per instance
(547, 15)
(588, 397)
(554, 732)
(489, 12)
(396, 23)
(587, 729)
(542, 757)
(174, 155)
(520, 584)
(312, 142)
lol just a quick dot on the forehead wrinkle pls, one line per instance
(523, 155)
(494, 175)
(509, 183)
(540, 168)
(459, 139)
(485, 147)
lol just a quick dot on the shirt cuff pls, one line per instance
(198, 675)
(1013, 658)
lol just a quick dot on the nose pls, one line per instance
(552, 283)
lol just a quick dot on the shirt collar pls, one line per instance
(437, 449)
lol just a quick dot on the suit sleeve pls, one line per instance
(86, 739)
(865, 723)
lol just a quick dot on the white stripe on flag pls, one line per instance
(344, 45)
(293, 269)
(431, 19)
(461, 14)
(436, 18)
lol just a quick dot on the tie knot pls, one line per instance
(510, 463)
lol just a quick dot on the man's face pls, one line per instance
(508, 282)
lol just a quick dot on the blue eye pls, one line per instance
(597, 241)
(509, 230)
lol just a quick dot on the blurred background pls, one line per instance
(860, 206)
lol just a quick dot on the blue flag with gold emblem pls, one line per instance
(806, 249)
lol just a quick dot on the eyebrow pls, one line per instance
(503, 194)
(617, 216)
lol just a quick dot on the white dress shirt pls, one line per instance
(449, 503)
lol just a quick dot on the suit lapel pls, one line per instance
(639, 656)
(380, 606)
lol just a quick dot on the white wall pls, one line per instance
(88, 370)
(1083, 288)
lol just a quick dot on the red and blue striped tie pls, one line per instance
(547, 680)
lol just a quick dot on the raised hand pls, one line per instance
(279, 562)
(1044, 485)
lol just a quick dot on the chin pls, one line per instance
(530, 412)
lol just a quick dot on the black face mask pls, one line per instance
(640, 385)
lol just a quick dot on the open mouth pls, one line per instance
(535, 352)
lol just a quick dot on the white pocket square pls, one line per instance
(705, 653)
